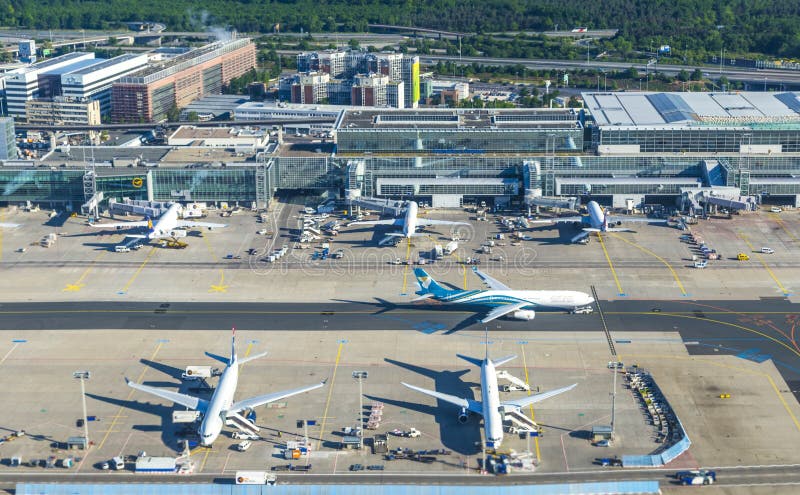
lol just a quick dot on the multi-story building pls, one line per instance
(8, 144)
(333, 63)
(411, 80)
(369, 90)
(148, 94)
(310, 88)
(27, 51)
(395, 94)
(389, 64)
(95, 82)
(61, 110)
(41, 80)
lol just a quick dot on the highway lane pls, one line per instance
(726, 476)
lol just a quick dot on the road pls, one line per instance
(726, 476)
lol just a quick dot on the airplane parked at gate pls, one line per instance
(409, 222)
(221, 408)
(517, 304)
(168, 225)
(493, 411)
(598, 220)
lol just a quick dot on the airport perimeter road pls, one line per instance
(728, 476)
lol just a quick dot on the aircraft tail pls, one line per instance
(427, 285)
(233, 345)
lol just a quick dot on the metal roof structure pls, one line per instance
(641, 109)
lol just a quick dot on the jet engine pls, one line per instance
(524, 314)
(618, 222)
(463, 416)
(176, 233)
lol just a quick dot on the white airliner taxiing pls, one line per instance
(409, 222)
(168, 225)
(221, 408)
(598, 220)
(516, 304)
(493, 411)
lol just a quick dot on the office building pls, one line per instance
(369, 91)
(27, 51)
(411, 81)
(310, 88)
(61, 110)
(8, 143)
(395, 94)
(41, 80)
(94, 82)
(148, 94)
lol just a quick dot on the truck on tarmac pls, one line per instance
(197, 372)
(255, 478)
(438, 252)
(696, 477)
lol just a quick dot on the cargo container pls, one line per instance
(254, 478)
(147, 464)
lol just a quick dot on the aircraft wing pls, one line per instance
(558, 220)
(267, 398)
(616, 219)
(210, 225)
(185, 400)
(424, 222)
(469, 404)
(532, 399)
(8, 225)
(123, 225)
(502, 311)
(396, 221)
(491, 282)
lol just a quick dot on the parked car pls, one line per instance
(775, 209)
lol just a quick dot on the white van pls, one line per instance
(767, 250)
(118, 463)
(122, 249)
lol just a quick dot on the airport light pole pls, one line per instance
(83, 376)
(360, 376)
(613, 399)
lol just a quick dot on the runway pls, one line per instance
(755, 330)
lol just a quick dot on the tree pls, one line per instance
(697, 75)
(683, 75)
(193, 117)
(173, 114)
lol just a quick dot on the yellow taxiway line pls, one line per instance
(330, 394)
(78, 285)
(128, 398)
(138, 270)
(659, 258)
(782, 225)
(221, 287)
(764, 264)
(533, 416)
(610, 264)
(408, 264)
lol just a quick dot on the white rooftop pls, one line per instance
(644, 109)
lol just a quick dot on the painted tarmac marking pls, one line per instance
(610, 265)
(659, 258)
(220, 287)
(786, 293)
(330, 394)
(119, 415)
(779, 221)
(533, 416)
(124, 290)
(16, 344)
(78, 285)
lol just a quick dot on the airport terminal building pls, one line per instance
(622, 148)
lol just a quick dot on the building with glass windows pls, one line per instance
(648, 148)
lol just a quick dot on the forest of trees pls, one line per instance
(743, 27)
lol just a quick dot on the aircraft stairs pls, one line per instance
(522, 422)
(505, 375)
(242, 423)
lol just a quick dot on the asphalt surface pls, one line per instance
(731, 476)
(756, 330)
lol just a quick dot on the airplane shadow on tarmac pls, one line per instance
(461, 438)
(168, 432)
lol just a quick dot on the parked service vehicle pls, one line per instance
(767, 250)
(775, 209)
(122, 249)
(244, 445)
(700, 264)
(240, 435)
(742, 257)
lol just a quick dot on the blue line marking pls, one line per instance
(522, 342)
(754, 355)
(121, 293)
(622, 294)
(162, 341)
(252, 341)
(403, 294)
(341, 341)
(622, 341)
(18, 341)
